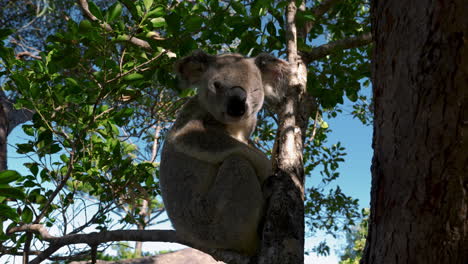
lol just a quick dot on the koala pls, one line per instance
(210, 174)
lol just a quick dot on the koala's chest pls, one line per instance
(240, 132)
(240, 135)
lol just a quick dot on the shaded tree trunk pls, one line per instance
(283, 231)
(419, 197)
(141, 226)
(3, 138)
(9, 119)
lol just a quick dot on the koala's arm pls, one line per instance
(213, 146)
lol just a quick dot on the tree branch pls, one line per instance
(137, 68)
(317, 11)
(21, 55)
(327, 49)
(119, 235)
(133, 40)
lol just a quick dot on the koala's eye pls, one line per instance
(217, 85)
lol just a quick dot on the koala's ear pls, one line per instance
(275, 75)
(191, 68)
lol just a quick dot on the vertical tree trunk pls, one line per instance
(3, 138)
(139, 244)
(144, 212)
(283, 232)
(419, 203)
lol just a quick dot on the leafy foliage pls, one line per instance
(356, 240)
(103, 104)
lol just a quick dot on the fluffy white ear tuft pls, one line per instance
(191, 68)
(275, 75)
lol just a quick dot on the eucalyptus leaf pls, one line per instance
(8, 176)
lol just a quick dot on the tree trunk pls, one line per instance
(419, 197)
(283, 231)
(3, 138)
(141, 226)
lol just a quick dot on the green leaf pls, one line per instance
(27, 215)
(271, 28)
(21, 81)
(133, 77)
(85, 26)
(11, 192)
(8, 212)
(24, 148)
(148, 4)
(95, 10)
(157, 12)
(193, 23)
(238, 7)
(5, 32)
(28, 130)
(8, 176)
(158, 22)
(64, 158)
(54, 149)
(71, 82)
(324, 125)
(173, 23)
(114, 11)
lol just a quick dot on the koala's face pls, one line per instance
(231, 87)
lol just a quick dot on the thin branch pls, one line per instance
(314, 130)
(154, 150)
(58, 189)
(135, 41)
(120, 235)
(318, 11)
(137, 68)
(85, 9)
(327, 49)
(23, 54)
(15, 252)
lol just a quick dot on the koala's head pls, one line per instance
(232, 87)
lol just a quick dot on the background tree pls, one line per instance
(103, 94)
(356, 240)
(419, 172)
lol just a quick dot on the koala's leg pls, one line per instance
(238, 205)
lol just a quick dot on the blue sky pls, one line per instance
(355, 175)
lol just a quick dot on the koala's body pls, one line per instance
(210, 175)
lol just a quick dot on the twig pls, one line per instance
(135, 41)
(58, 189)
(23, 54)
(120, 75)
(318, 11)
(327, 49)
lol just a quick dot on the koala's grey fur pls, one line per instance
(210, 174)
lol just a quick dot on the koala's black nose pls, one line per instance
(236, 101)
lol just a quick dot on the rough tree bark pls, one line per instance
(3, 138)
(419, 204)
(283, 232)
(9, 119)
